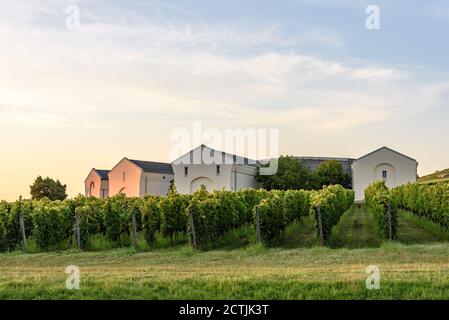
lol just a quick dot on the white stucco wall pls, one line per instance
(201, 174)
(131, 185)
(366, 170)
(203, 171)
(95, 179)
(100, 189)
(154, 183)
(245, 176)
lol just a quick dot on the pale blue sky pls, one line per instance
(137, 70)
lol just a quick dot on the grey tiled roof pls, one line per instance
(103, 174)
(311, 163)
(150, 166)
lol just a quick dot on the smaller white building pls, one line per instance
(97, 183)
(214, 169)
(382, 164)
(133, 178)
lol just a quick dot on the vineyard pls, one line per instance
(430, 201)
(413, 266)
(379, 199)
(202, 217)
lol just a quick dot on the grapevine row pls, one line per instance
(51, 224)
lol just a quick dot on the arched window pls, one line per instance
(387, 173)
(122, 191)
(91, 188)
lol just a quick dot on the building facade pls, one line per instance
(133, 178)
(382, 164)
(97, 184)
(214, 169)
(217, 170)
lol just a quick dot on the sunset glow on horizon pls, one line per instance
(119, 83)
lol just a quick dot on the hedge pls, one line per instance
(377, 198)
(151, 216)
(271, 216)
(90, 214)
(214, 214)
(173, 213)
(426, 200)
(333, 202)
(10, 225)
(51, 224)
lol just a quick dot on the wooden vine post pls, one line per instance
(390, 228)
(134, 229)
(257, 224)
(77, 228)
(192, 229)
(320, 225)
(22, 224)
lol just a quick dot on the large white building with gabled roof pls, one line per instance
(382, 164)
(216, 170)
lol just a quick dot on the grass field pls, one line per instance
(355, 230)
(417, 271)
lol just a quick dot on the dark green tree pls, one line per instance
(291, 174)
(331, 172)
(48, 188)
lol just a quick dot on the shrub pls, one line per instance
(426, 200)
(4, 212)
(249, 199)
(271, 217)
(333, 202)
(377, 198)
(216, 215)
(173, 213)
(91, 219)
(151, 217)
(115, 215)
(52, 223)
(296, 204)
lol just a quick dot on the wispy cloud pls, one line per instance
(183, 66)
(137, 69)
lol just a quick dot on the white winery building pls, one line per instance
(382, 164)
(218, 170)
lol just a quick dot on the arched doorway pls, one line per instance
(91, 188)
(122, 191)
(198, 182)
(385, 172)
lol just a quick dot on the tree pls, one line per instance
(331, 172)
(49, 188)
(291, 174)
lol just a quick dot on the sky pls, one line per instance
(85, 83)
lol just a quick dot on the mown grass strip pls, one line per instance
(255, 272)
(414, 229)
(356, 229)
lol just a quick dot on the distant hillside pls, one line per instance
(439, 176)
